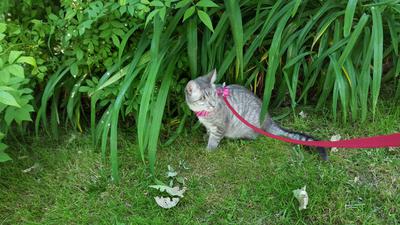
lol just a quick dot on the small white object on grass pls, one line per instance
(336, 137)
(36, 165)
(303, 114)
(166, 202)
(173, 191)
(302, 196)
(171, 172)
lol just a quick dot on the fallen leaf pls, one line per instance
(336, 137)
(301, 196)
(31, 168)
(171, 172)
(181, 180)
(182, 164)
(167, 202)
(303, 114)
(173, 191)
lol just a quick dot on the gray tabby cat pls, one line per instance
(202, 98)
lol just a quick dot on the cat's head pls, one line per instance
(201, 92)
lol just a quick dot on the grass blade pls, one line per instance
(273, 64)
(340, 86)
(393, 29)
(47, 93)
(157, 114)
(377, 33)
(192, 43)
(353, 38)
(348, 17)
(365, 77)
(150, 76)
(235, 17)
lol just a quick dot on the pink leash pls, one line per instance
(380, 141)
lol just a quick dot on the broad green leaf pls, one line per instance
(205, 19)
(5, 76)
(348, 17)
(115, 40)
(74, 69)
(18, 114)
(6, 88)
(3, 27)
(9, 115)
(4, 156)
(70, 14)
(79, 53)
(16, 70)
(188, 13)
(206, 3)
(28, 60)
(156, 3)
(7, 99)
(13, 56)
(182, 3)
(1, 135)
(151, 16)
(162, 13)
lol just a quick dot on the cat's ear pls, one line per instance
(212, 76)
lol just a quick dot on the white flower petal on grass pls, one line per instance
(171, 172)
(167, 202)
(36, 165)
(303, 114)
(173, 191)
(336, 137)
(301, 196)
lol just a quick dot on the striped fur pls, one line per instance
(201, 95)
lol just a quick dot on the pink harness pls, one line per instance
(221, 91)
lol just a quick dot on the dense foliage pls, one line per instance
(94, 63)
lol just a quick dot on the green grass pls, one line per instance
(243, 182)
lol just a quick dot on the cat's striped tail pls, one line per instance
(277, 130)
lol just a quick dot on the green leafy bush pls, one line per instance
(15, 94)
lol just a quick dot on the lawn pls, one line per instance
(243, 182)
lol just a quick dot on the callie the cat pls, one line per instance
(205, 99)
